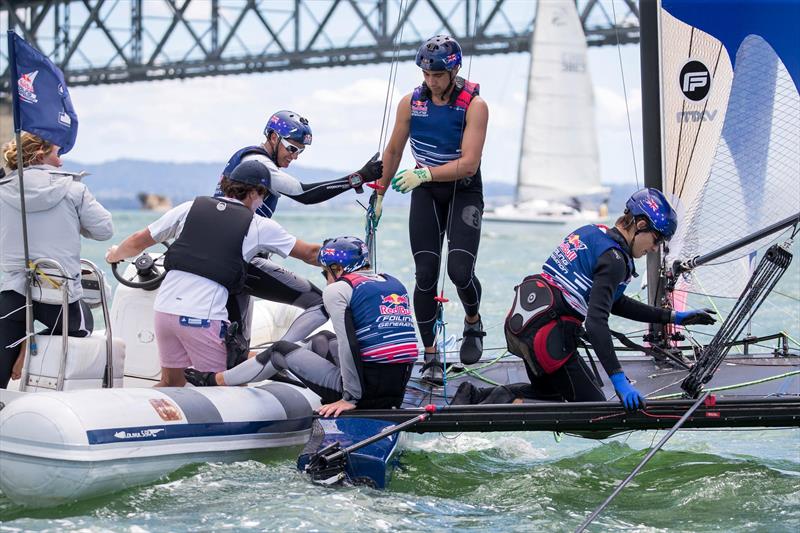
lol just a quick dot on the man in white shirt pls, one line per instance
(215, 240)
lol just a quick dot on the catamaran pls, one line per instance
(720, 90)
(559, 162)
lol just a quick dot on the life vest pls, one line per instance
(571, 265)
(436, 131)
(382, 320)
(210, 244)
(267, 208)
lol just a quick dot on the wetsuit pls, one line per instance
(591, 268)
(265, 278)
(369, 359)
(435, 136)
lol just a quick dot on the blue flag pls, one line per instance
(41, 102)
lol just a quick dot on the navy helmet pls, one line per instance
(351, 253)
(252, 173)
(440, 52)
(653, 205)
(289, 125)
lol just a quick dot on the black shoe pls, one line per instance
(200, 379)
(472, 342)
(433, 370)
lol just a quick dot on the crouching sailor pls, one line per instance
(367, 363)
(215, 238)
(583, 281)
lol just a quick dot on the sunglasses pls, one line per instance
(325, 274)
(292, 149)
(658, 238)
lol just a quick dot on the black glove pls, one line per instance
(372, 170)
(700, 317)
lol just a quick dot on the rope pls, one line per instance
(625, 94)
(734, 385)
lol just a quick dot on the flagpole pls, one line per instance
(30, 347)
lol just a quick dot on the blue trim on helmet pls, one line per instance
(289, 125)
(351, 253)
(652, 204)
(438, 53)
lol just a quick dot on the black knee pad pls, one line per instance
(278, 348)
(460, 270)
(426, 280)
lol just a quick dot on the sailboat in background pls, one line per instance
(559, 160)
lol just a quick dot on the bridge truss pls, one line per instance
(118, 41)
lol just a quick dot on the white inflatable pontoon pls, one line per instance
(86, 420)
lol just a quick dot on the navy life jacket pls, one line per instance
(436, 131)
(382, 321)
(210, 244)
(266, 209)
(571, 265)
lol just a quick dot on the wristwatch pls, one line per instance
(355, 180)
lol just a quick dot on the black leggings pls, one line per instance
(428, 223)
(270, 281)
(12, 327)
(573, 382)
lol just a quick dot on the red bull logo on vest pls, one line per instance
(395, 304)
(571, 245)
(419, 108)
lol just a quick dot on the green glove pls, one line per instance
(410, 179)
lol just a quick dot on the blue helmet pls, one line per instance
(440, 52)
(351, 253)
(652, 204)
(289, 125)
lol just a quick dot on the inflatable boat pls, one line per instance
(85, 419)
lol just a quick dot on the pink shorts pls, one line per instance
(184, 342)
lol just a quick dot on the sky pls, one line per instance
(207, 119)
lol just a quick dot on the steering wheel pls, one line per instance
(149, 272)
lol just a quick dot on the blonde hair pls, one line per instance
(34, 149)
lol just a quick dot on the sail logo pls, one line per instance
(697, 116)
(695, 80)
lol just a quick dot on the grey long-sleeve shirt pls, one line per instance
(336, 297)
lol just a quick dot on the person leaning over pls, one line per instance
(215, 240)
(367, 362)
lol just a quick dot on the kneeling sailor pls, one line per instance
(368, 362)
(582, 282)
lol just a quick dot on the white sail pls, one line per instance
(559, 156)
(731, 151)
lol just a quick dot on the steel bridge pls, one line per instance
(117, 41)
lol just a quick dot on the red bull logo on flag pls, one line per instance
(395, 304)
(25, 87)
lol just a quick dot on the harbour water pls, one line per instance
(702, 481)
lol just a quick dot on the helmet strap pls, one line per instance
(273, 151)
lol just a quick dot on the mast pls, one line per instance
(651, 123)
